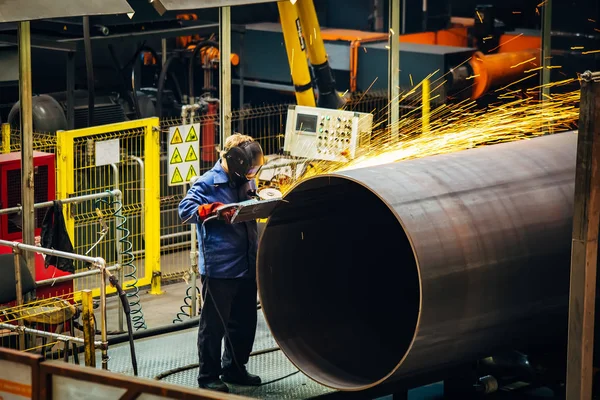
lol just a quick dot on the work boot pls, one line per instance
(217, 385)
(242, 378)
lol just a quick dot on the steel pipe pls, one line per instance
(408, 268)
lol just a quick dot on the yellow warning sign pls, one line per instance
(191, 173)
(176, 139)
(176, 157)
(191, 136)
(191, 155)
(176, 177)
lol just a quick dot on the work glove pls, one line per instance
(206, 210)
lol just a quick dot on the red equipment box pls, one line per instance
(10, 224)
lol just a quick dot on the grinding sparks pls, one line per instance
(508, 41)
(523, 62)
(515, 82)
(479, 16)
(590, 52)
(461, 126)
(533, 69)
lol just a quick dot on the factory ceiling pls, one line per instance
(27, 10)
(163, 6)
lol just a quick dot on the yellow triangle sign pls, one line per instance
(176, 177)
(176, 157)
(191, 173)
(176, 139)
(191, 136)
(191, 155)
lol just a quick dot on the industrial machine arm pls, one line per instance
(296, 19)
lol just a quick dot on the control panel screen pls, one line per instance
(306, 123)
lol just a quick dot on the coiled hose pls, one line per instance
(130, 275)
(186, 308)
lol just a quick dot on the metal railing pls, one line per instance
(116, 194)
(96, 262)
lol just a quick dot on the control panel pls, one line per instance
(327, 134)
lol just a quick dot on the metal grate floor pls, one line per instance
(165, 352)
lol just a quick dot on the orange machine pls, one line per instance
(516, 54)
(499, 69)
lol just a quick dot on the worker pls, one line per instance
(227, 261)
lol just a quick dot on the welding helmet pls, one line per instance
(244, 161)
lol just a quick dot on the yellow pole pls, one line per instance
(295, 47)
(65, 181)
(426, 106)
(328, 95)
(152, 204)
(5, 138)
(89, 328)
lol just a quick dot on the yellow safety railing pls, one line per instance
(78, 174)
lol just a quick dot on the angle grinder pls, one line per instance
(269, 194)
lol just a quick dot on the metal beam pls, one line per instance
(27, 10)
(225, 73)
(41, 43)
(394, 67)
(27, 171)
(200, 29)
(162, 6)
(584, 251)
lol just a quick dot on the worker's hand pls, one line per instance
(227, 214)
(206, 210)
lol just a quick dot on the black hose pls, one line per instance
(136, 61)
(123, 296)
(87, 41)
(196, 365)
(133, 64)
(161, 83)
(177, 86)
(199, 46)
(191, 323)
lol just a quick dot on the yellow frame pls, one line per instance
(66, 186)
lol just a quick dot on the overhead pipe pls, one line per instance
(404, 269)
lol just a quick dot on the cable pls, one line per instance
(279, 379)
(123, 296)
(160, 330)
(186, 305)
(227, 337)
(226, 333)
(196, 365)
(130, 269)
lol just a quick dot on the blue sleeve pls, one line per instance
(195, 197)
